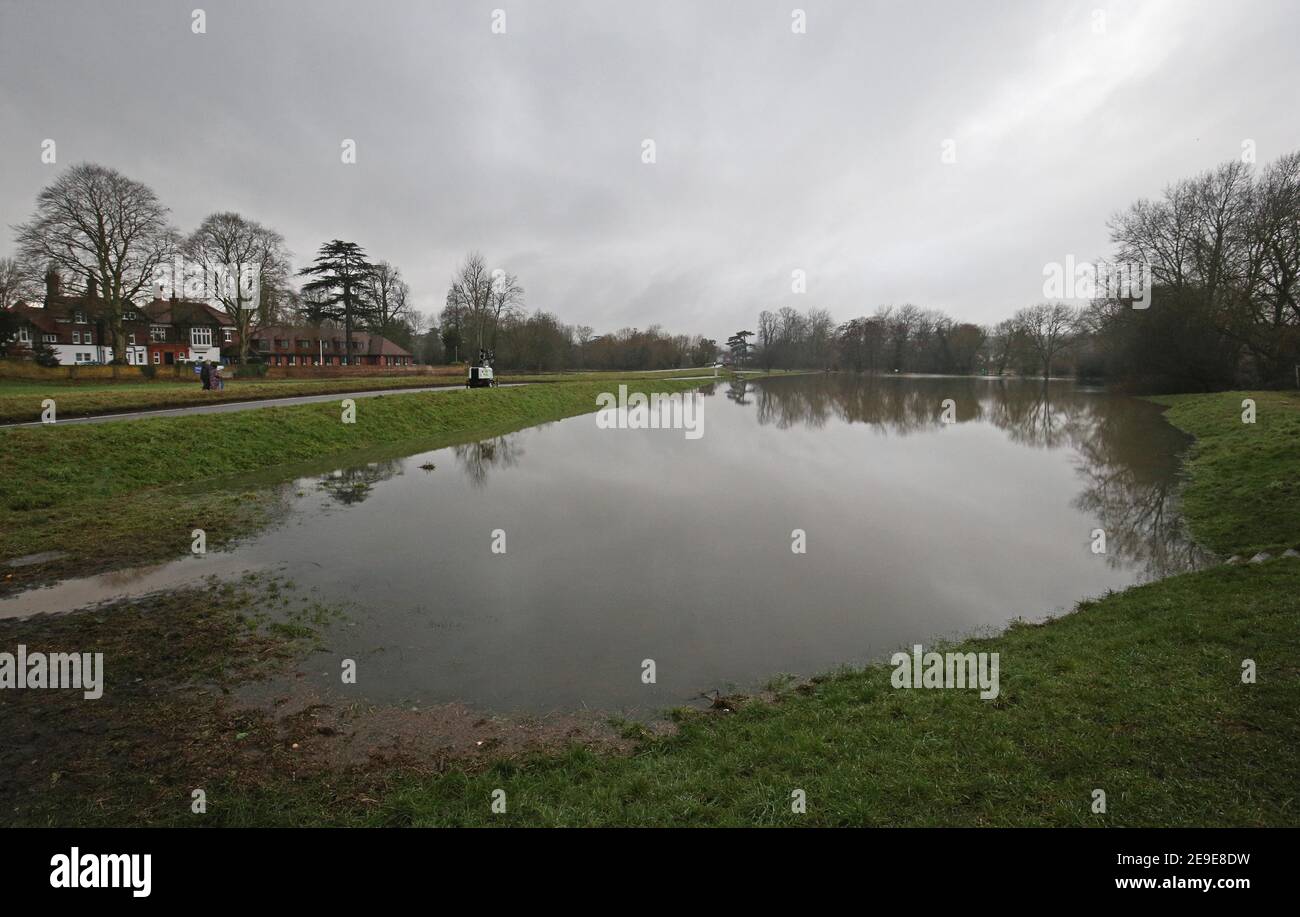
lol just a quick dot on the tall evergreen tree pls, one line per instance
(342, 279)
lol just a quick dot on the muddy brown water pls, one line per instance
(625, 545)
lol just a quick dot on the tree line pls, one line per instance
(95, 226)
(1219, 253)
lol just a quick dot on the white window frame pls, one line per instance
(200, 336)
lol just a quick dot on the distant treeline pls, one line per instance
(1220, 257)
(485, 310)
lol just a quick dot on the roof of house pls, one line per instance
(185, 312)
(161, 311)
(370, 344)
(37, 316)
(381, 346)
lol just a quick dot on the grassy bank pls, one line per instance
(1243, 494)
(148, 483)
(1138, 694)
(20, 400)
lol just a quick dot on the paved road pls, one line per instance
(222, 407)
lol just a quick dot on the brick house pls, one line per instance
(163, 331)
(186, 331)
(287, 345)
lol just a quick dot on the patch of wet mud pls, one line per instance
(332, 733)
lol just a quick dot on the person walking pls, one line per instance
(205, 375)
(218, 380)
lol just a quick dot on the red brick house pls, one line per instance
(286, 345)
(71, 326)
(185, 330)
(163, 331)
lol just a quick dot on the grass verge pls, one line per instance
(1243, 489)
(20, 400)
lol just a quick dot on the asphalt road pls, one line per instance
(227, 406)
(223, 407)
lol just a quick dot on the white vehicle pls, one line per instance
(481, 376)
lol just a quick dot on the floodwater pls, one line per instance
(627, 545)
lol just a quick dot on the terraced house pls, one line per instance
(287, 345)
(161, 332)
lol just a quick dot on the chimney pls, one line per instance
(92, 286)
(51, 285)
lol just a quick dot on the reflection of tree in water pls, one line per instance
(888, 404)
(352, 485)
(1128, 459)
(737, 391)
(1045, 415)
(1128, 456)
(477, 458)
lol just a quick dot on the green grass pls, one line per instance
(1243, 494)
(148, 483)
(1138, 694)
(20, 400)
(51, 465)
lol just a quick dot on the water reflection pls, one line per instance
(476, 459)
(350, 486)
(1127, 456)
(634, 544)
(738, 391)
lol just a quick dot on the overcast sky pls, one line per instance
(775, 151)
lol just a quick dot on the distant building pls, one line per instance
(185, 330)
(288, 345)
(162, 332)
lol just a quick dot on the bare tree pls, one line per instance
(242, 260)
(1047, 329)
(16, 284)
(506, 297)
(389, 295)
(483, 298)
(97, 224)
(768, 327)
(470, 296)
